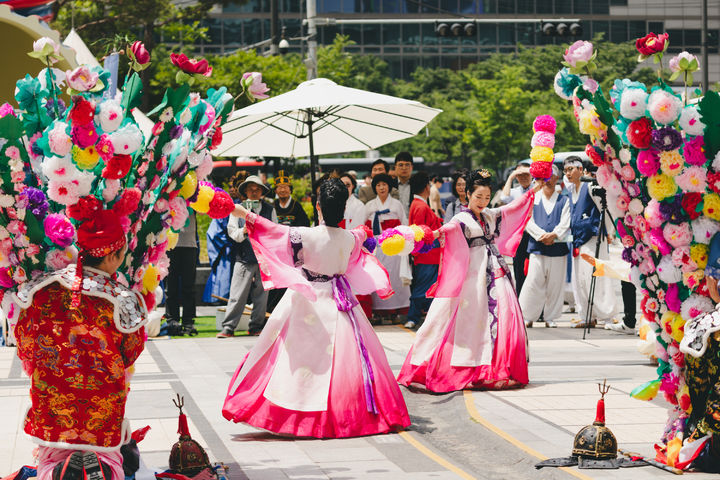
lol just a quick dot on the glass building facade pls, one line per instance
(405, 46)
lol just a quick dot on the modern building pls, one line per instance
(406, 46)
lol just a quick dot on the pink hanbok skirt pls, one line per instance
(347, 414)
(508, 368)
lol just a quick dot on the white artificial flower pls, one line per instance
(633, 103)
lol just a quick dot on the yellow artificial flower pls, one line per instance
(541, 154)
(711, 206)
(205, 195)
(699, 254)
(393, 245)
(85, 158)
(189, 185)
(172, 239)
(661, 186)
(151, 279)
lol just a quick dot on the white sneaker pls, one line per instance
(550, 324)
(620, 327)
(410, 324)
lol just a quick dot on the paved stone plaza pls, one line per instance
(460, 435)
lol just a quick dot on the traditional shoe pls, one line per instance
(585, 325)
(225, 334)
(70, 469)
(94, 469)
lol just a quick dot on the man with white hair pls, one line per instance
(550, 222)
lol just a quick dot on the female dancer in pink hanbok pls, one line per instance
(474, 334)
(317, 369)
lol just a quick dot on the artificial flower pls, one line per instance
(110, 116)
(63, 192)
(628, 173)
(579, 54)
(205, 167)
(166, 115)
(590, 124)
(59, 230)
(711, 206)
(666, 138)
(694, 151)
(651, 44)
(105, 147)
(664, 107)
(690, 202)
(84, 135)
(185, 116)
(127, 140)
(699, 254)
(565, 83)
(82, 111)
(684, 62)
(661, 186)
(633, 103)
(82, 79)
(58, 259)
(696, 305)
(677, 235)
(595, 155)
(713, 179)
(216, 139)
(639, 133)
(85, 158)
(690, 122)
(671, 209)
(46, 47)
(139, 56)
(178, 213)
(541, 154)
(704, 228)
(692, 179)
(221, 205)
(671, 163)
(112, 187)
(191, 66)
(254, 87)
(58, 139)
(668, 272)
(33, 200)
(117, 167)
(128, 202)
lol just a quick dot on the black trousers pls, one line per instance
(628, 296)
(180, 284)
(521, 256)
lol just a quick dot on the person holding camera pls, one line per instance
(246, 274)
(585, 223)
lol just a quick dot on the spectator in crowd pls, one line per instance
(425, 265)
(459, 198)
(585, 224)
(404, 169)
(381, 213)
(435, 201)
(246, 279)
(510, 193)
(550, 223)
(354, 208)
(180, 283)
(221, 248)
(367, 192)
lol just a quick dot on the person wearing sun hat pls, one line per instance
(79, 333)
(246, 281)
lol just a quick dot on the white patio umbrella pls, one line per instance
(320, 117)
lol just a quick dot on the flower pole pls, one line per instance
(48, 51)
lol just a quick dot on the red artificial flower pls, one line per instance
(216, 138)
(128, 202)
(689, 203)
(713, 180)
(639, 133)
(85, 208)
(191, 66)
(221, 205)
(651, 44)
(82, 111)
(142, 56)
(595, 156)
(542, 170)
(117, 167)
(149, 298)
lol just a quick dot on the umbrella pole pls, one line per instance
(313, 166)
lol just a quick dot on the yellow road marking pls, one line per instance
(470, 405)
(435, 457)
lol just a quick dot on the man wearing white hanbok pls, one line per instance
(550, 223)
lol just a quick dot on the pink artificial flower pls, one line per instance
(158, 128)
(59, 141)
(125, 224)
(6, 278)
(16, 227)
(674, 63)
(84, 135)
(622, 202)
(677, 235)
(58, 259)
(254, 86)
(178, 213)
(161, 205)
(13, 153)
(63, 192)
(7, 109)
(658, 240)
(692, 179)
(154, 183)
(590, 84)
(82, 78)
(59, 229)
(627, 173)
(140, 53)
(694, 151)
(580, 51)
(105, 147)
(648, 162)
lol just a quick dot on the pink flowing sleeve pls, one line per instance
(454, 261)
(365, 273)
(515, 216)
(271, 244)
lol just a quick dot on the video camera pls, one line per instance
(595, 189)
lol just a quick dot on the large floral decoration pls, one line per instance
(61, 163)
(657, 158)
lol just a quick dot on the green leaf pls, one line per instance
(132, 92)
(674, 76)
(694, 65)
(11, 127)
(689, 79)
(709, 108)
(683, 63)
(657, 58)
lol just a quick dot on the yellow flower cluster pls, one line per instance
(85, 158)
(692, 280)
(189, 185)
(699, 255)
(711, 206)
(541, 154)
(393, 245)
(675, 322)
(671, 162)
(172, 239)
(150, 279)
(661, 186)
(590, 124)
(417, 232)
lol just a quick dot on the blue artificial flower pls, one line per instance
(30, 93)
(565, 83)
